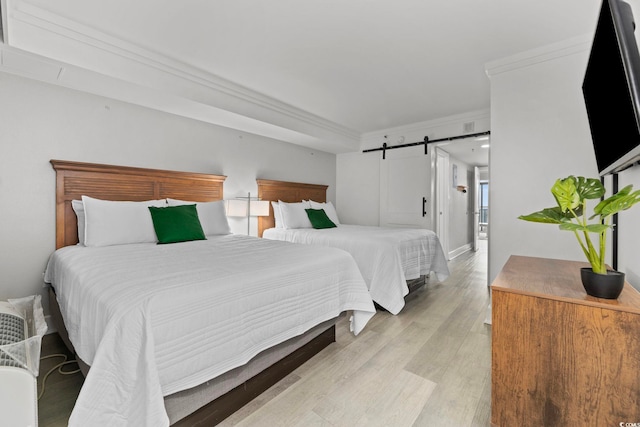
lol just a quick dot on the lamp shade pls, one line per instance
(236, 207)
(247, 207)
(259, 207)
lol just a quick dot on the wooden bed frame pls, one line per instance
(74, 179)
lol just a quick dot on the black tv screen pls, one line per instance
(611, 89)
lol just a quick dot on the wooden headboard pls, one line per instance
(75, 179)
(291, 192)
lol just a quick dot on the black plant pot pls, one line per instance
(602, 285)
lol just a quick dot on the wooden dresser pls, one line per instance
(559, 356)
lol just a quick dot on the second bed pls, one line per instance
(388, 258)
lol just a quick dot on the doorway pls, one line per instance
(483, 208)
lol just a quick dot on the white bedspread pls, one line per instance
(152, 320)
(387, 257)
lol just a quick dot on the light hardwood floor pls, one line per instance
(428, 366)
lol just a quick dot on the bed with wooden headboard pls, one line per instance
(74, 179)
(286, 191)
(418, 249)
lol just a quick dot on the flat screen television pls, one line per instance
(611, 89)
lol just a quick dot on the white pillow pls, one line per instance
(328, 209)
(294, 214)
(118, 223)
(78, 208)
(277, 214)
(212, 215)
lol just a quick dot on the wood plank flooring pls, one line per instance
(428, 366)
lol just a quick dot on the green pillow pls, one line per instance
(319, 218)
(177, 224)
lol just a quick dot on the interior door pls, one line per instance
(476, 206)
(405, 188)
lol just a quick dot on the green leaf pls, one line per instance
(591, 228)
(589, 188)
(547, 216)
(566, 193)
(598, 209)
(597, 228)
(620, 201)
(620, 204)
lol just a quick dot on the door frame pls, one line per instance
(476, 207)
(442, 195)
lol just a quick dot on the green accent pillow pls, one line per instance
(177, 224)
(319, 218)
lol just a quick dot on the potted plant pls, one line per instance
(572, 194)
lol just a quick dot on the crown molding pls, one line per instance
(572, 46)
(34, 67)
(33, 29)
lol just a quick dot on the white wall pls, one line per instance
(358, 174)
(629, 221)
(484, 173)
(629, 231)
(539, 132)
(42, 122)
(358, 188)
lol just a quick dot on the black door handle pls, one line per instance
(424, 207)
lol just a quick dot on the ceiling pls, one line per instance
(341, 67)
(472, 151)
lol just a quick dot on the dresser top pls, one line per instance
(559, 280)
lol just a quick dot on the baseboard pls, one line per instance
(459, 251)
(487, 319)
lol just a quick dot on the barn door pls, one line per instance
(405, 188)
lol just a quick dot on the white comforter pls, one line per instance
(152, 320)
(387, 257)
